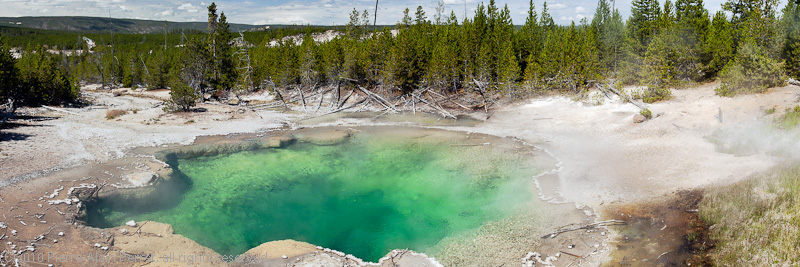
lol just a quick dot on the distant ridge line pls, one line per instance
(116, 25)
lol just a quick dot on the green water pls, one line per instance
(365, 197)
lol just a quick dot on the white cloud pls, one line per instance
(557, 6)
(124, 8)
(165, 13)
(188, 7)
(580, 9)
(260, 22)
(44, 11)
(579, 16)
(456, 2)
(289, 20)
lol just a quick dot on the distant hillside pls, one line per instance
(96, 24)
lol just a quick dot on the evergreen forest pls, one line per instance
(749, 46)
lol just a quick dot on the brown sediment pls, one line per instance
(663, 232)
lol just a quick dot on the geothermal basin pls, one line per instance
(363, 191)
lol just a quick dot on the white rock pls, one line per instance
(60, 233)
(124, 231)
(284, 256)
(131, 223)
(97, 245)
(55, 240)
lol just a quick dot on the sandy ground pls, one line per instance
(604, 157)
(607, 158)
(47, 140)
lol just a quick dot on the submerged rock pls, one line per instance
(325, 138)
(141, 178)
(279, 141)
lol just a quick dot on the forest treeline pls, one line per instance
(660, 46)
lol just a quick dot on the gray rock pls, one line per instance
(639, 118)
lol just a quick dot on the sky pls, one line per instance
(316, 12)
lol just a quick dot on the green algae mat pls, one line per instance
(371, 194)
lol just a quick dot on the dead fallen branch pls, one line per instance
(441, 110)
(61, 110)
(377, 98)
(588, 226)
(339, 109)
(576, 256)
(606, 89)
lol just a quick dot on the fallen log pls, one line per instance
(339, 109)
(61, 110)
(342, 102)
(588, 226)
(378, 98)
(267, 104)
(441, 110)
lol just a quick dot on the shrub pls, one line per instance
(181, 97)
(113, 113)
(752, 71)
(646, 113)
(654, 93)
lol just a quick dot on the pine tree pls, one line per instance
(692, 14)
(308, 63)
(508, 68)
(754, 20)
(719, 44)
(790, 51)
(642, 24)
(157, 65)
(404, 56)
(527, 41)
(9, 75)
(607, 28)
(546, 20)
(667, 18)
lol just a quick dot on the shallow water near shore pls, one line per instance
(373, 193)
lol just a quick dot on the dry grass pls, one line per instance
(113, 113)
(756, 222)
(790, 119)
